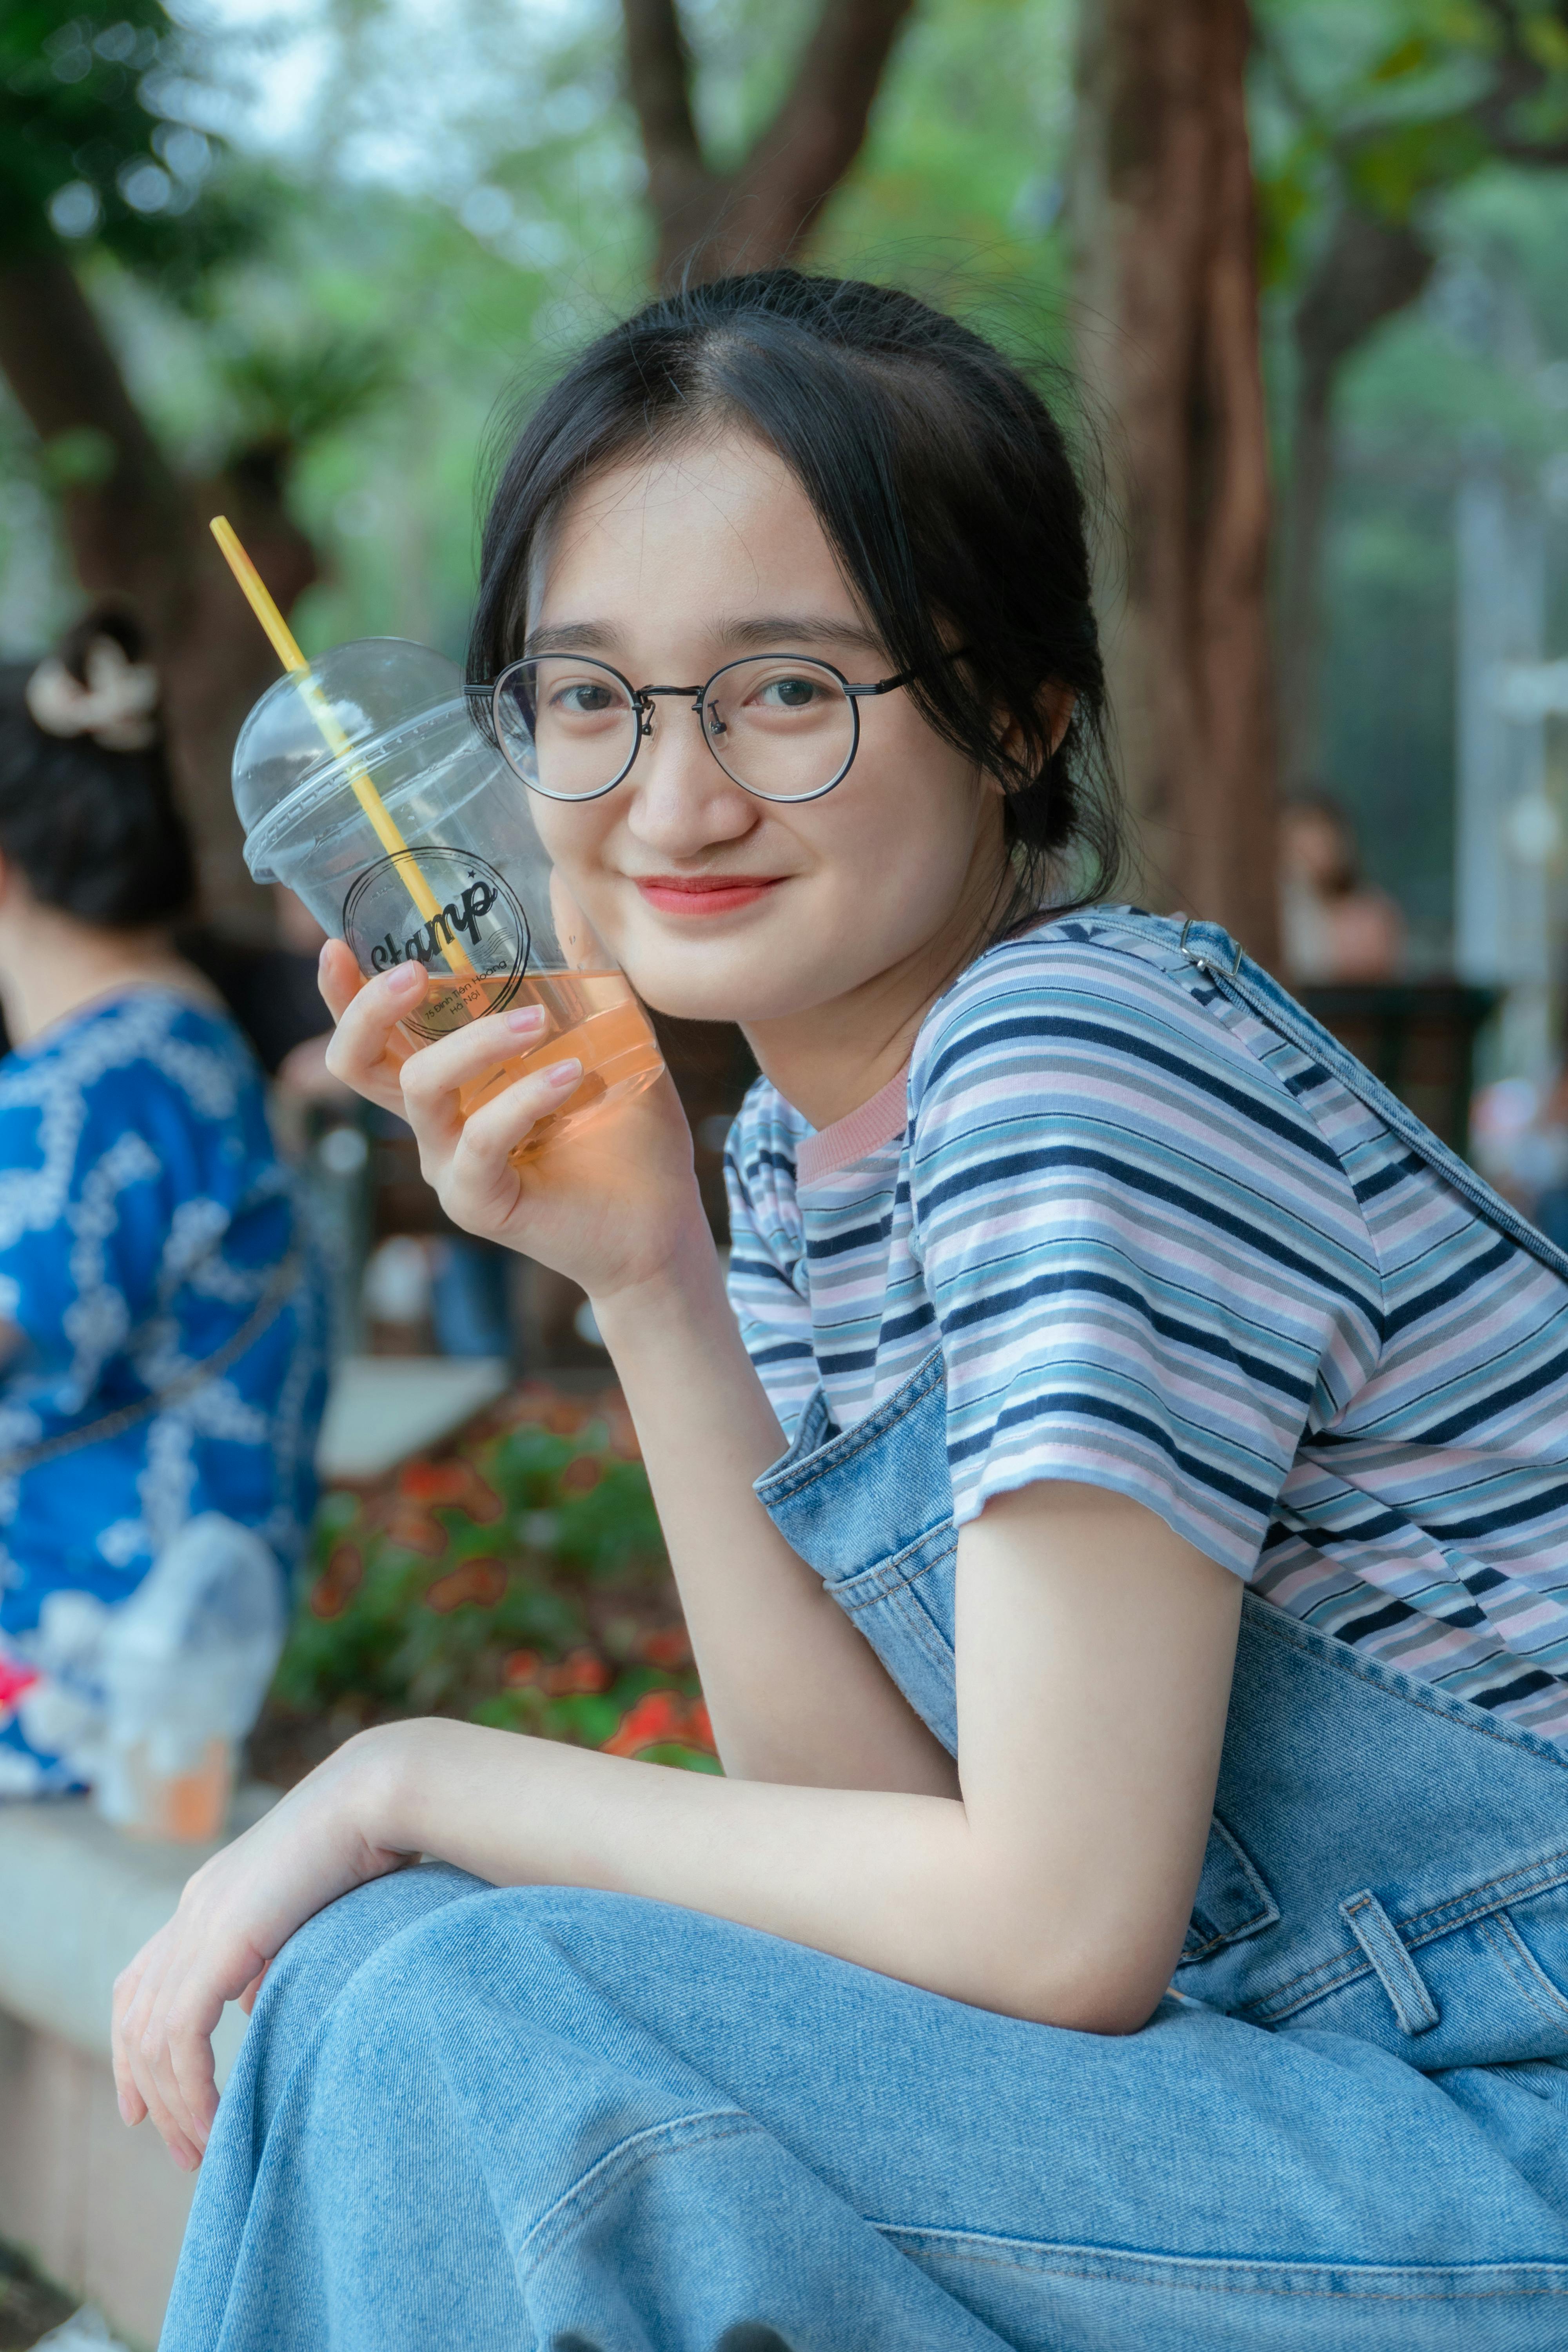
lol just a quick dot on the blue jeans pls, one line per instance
(562, 2121)
(498, 2120)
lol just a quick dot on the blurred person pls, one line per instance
(1120, 1508)
(159, 1331)
(1335, 926)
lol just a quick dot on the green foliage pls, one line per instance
(96, 136)
(519, 1580)
(290, 394)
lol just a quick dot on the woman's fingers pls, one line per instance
(132, 2106)
(136, 2056)
(481, 1187)
(167, 2004)
(466, 1057)
(366, 1051)
(338, 977)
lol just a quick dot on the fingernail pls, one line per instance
(563, 1074)
(405, 977)
(526, 1016)
(322, 956)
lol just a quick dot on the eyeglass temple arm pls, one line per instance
(883, 685)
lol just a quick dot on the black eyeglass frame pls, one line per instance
(642, 700)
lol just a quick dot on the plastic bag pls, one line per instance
(186, 1665)
(148, 1702)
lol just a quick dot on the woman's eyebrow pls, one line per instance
(761, 632)
(769, 630)
(572, 637)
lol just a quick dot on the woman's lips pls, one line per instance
(712, 894)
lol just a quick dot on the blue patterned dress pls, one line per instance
(143, 1217)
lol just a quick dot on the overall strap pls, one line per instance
(1234, 975)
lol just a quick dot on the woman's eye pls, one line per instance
(585, 701)
(790, 693)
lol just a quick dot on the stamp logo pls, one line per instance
(479, 914)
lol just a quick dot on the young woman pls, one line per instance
(1088, 1308)
(160, 1342)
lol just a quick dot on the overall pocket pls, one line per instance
(904, 1607)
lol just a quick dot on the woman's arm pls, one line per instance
(1094, 1658)
(794, 1692)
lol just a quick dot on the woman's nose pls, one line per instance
(682, 800)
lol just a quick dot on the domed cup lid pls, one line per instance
(375, 691)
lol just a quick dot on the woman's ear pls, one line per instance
(1058, 704)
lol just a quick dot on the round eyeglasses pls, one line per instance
(782, 727)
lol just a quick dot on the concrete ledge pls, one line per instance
(99, 2208)
(381, 1409)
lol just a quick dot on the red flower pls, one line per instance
(425, 1484)
(479, 1582)
(582, 1670)
(667, 1646)
(659, 1716)
(581, 1473)
(433, 1481)
(520, 1666)
(338, 1581)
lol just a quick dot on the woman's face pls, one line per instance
(720, 906)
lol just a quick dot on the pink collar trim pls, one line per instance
(857, 1135)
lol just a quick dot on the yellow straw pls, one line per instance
(286, 647)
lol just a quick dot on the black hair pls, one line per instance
(95, 831)
(943, 482)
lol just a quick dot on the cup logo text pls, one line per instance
(421, 947)
(454, 913)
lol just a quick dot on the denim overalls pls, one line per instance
(479, 2118)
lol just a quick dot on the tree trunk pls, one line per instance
(136, 531)
(1167, 297)
(1369, 269)
(711, 224)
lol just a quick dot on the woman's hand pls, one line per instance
(235, 1913)
(611, 1206)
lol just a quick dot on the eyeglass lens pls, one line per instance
(780, 725)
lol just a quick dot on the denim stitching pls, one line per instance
(887, 1576)
(793, 1481)
(1346, 1967)
(680, 2132)
(1414, 2009)
(1523, 1967)
(1340, 1654)
(1456, 1911)
(1240, 2275)
(1268, 1916)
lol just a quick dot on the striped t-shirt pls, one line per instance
(1164, 1251)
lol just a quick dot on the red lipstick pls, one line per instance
(705, 894)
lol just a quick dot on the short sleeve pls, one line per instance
(767, 1252)
(1147, 1265)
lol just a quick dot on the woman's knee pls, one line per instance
(321, 1962)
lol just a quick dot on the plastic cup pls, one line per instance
(366, 786)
